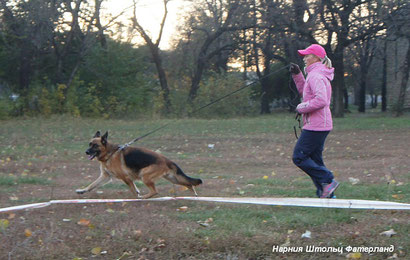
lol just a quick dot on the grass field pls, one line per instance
(44, 159)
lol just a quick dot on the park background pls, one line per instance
(89, 59)
(71, 67)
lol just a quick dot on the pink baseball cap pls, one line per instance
(315, 49)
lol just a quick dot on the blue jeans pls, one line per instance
(307, 155)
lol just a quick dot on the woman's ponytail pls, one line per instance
(327, 62)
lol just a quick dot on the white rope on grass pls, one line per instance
(295, 202)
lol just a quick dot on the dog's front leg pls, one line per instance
(103, 179)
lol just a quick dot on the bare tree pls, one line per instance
(155, 52)
(398, 56)
(224, 19)
(81, 37)
(341, 26)
(366, 54)
(267, 43)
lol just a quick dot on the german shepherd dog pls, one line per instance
(130, 164)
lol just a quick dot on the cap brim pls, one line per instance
(303, 52)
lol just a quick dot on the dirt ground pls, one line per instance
(154, 230)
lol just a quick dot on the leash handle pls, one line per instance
(296, 133)
(297, 117)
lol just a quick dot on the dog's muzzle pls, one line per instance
(91, 154)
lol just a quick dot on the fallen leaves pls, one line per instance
(287, 242)
(388, 233)
(356, 255)
(207, 241)
(28, 233)
(160, 244)
(353, 181)
(307, 234)
(125, 255)
(156, 246)
(137, 234)
(205, 223)
(397, 196)
(13, 198)
(84, 222)
(182, 209)
(96, 250)
(4, 224)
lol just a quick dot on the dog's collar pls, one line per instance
(109, 155)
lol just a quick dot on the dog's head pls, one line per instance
(97, 146)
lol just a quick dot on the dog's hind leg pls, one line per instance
(193, 189)
(173, 180)
(132, 187)
(152, 189)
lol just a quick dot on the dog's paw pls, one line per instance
(80, 191)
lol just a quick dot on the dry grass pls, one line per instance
(43, 159)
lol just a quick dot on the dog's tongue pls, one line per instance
(90, 157)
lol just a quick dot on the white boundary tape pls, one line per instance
(298, 202)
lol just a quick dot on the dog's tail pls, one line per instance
(179, 177)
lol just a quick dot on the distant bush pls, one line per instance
(6, 107)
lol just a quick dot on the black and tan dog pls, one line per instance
(131, 164)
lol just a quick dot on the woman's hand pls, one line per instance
(294, 69)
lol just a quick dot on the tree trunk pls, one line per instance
(338, 85)
(162, 79)
(384, 83)
(24, 78)
(196, 79)
(362, 96)
(374, 100)
(346, 98)
(265, 108)
(155, 52)
(245, 57)
(363, 77)
(403, 86)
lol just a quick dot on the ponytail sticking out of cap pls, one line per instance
(326, 61)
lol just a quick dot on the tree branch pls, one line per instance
(162, 22)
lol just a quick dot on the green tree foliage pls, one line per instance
(121, 78)
(60, 56)
(57, 64)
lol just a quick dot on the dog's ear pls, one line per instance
(98, 134)
(104, 138)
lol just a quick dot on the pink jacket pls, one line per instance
(317, 92)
